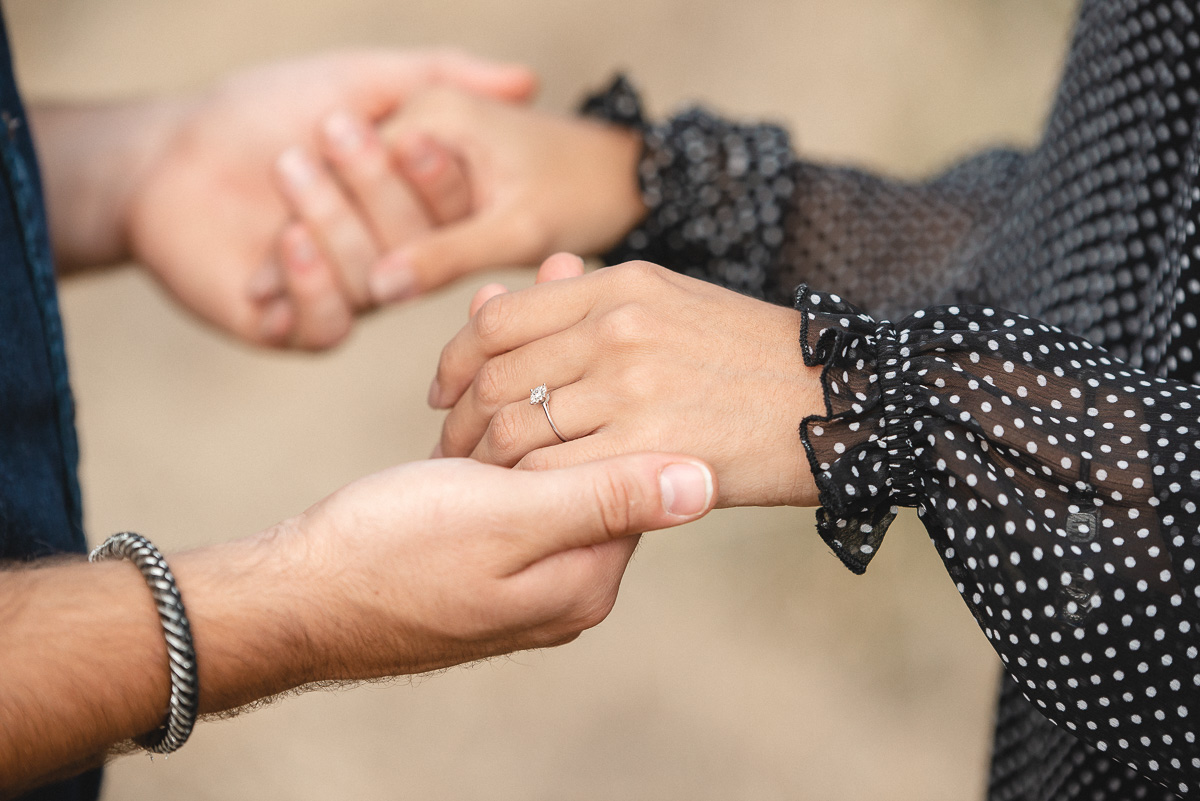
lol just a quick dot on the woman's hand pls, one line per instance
(636, 358)
(538, 183)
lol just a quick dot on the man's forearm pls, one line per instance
(92, 158)
(83, 661)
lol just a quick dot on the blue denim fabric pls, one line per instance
(40, 510)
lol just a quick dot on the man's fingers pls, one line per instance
(323, 316)
(577, 587)
(601, 501)
(437, 175)
(319, 202)
(364, 167)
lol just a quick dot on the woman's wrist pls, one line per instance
(593, 200)
(615, 169)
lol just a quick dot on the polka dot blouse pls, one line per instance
(1010, 348)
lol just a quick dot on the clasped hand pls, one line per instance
(637, 358)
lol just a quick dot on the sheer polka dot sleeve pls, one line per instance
(1060, 487)
(730, 203)
(717, 193)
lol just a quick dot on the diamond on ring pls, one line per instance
(542, 395)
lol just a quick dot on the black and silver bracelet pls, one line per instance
(181, 654)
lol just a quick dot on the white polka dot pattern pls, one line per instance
(1094, 231)
(1060, 487)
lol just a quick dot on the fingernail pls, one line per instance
(303, 252)
(276, 321)
(434, 397)
(343, 132)
(686, 488)
(422, 158)
(266, 283)
(393, 279)
(296, 168)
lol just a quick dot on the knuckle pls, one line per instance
(491, 385)
(627, 325)
(614, 498)
(637, 273)
(491, 319)
(454, 440)
(505, 432)
(537, 461)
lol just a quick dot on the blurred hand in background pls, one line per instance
(506, 185)
(191, 187)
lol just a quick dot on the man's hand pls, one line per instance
(189, 187)
(451, 560)
(415, 568)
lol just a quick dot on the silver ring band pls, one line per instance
(540, 394)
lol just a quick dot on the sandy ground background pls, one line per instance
(742, 661)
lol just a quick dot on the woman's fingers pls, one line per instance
(508, 379)
(506, 322)
(436, 175)
(521, 427)
(339, 228)
(363, 166)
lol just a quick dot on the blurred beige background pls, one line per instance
(742, 661)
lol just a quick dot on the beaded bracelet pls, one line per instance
(181, 654)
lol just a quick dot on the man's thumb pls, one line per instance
(601, 501)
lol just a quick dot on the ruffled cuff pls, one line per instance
(859, 450)
(716, 192)
(940, 411)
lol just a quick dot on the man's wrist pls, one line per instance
(255, 607)
(94, 159)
